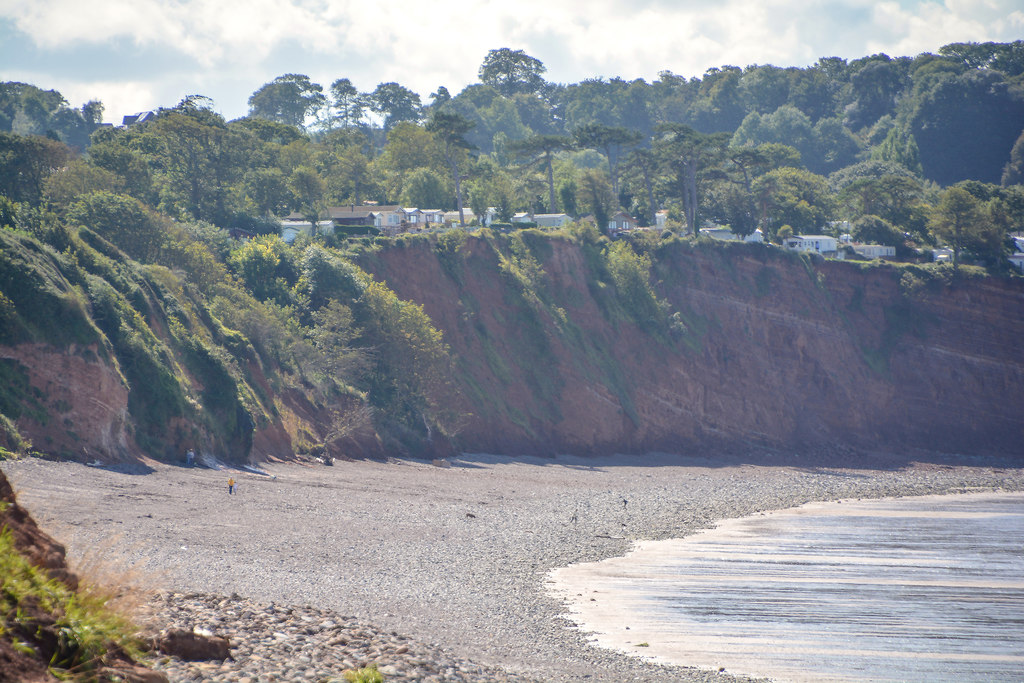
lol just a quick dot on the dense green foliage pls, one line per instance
(117, 239)
(756, 147)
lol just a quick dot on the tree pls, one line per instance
(542, 148)
(959, 219)
(786, 125)
(643, 164)
(834, 146)
(190, 146)
(119, 156)
(78, 178)
(395, 103)
(791, 196)
(596, 196)
(289, 99)
(349, 178)
(451, 129)
(737, 210)
(258, 263)
(874, 230)
(425, 188)
(1013, 172)
(719, 107)
(966, 126)
(875, 83)
(347, 102)
(567, 194)
(813, 92)
(409, 147)
(686, 156)
(409, 360)
(891, 197)
(309, 189)
(332, 334)
(122, 221)
(1005, 57)
(608, 139)
(512, 71)
(268, 131)
(440, 97)
(92, 112)
(267, 189)
(764, 88)
(899, 147)
(25, 162)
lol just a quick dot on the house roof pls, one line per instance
(339, 215)
(141, 117)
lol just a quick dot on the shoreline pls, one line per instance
(454, 556)
(746, 566)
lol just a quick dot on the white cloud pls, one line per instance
(118, 97)
(932, 25)
(241, 44)
(53, 23)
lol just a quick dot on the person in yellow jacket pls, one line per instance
(231, 485)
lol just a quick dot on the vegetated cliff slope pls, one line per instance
(557, 349)
(104, 359)
(560, 342)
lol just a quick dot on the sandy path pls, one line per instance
(456, 556)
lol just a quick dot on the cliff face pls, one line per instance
(761, 348)
(557, 345)
(77, 401)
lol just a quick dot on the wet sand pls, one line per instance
(455, 556)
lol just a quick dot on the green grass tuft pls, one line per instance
(84, 628)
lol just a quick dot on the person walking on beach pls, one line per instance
(231, 484)
(190, 458)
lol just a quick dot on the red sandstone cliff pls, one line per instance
(761, 348)
(774, 351)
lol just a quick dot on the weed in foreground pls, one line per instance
(74, 631)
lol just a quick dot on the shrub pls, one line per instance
(368, 674)
(12, 443)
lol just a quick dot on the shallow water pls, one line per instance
(908, 589)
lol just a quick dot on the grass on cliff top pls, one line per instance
(86, 629)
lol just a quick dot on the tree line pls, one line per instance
(880, 142)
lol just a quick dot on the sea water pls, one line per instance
(909, 589)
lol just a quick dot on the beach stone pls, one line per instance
(131, 674)
(192, 646)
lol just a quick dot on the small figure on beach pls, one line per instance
(190, 458)
(231, 484)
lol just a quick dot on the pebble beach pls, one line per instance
(433, 571)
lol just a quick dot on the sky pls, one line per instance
(137, 55)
